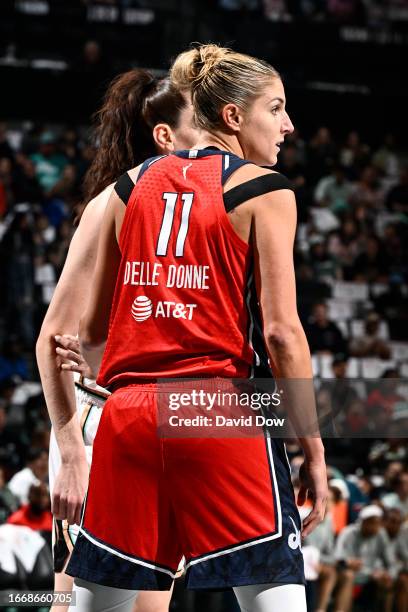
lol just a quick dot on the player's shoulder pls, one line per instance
(100, 201)
(251, 171)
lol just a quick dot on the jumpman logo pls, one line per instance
(185, 168)
(294, 540)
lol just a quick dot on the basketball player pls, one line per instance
(226, 504)
(141, 115)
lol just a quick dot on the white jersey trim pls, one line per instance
(126, 557)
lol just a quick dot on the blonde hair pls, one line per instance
(218, 76)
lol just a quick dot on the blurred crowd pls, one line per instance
(359, 12)
(352, 273)
(355, 12)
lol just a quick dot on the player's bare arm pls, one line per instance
(274, 226)
(63, 315)
(94, 324)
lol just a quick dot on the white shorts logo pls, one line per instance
(294, 539)
(142, 308)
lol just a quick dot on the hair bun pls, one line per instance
(195, 65)
(208, 57)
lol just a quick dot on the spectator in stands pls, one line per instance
(397, 198)
(368, 190)
(345, 244)
(395, 245)
(397, 544)
(13, 364)
(323, 335)
(291, 166)
(45, 232)
(356, 420)
(385, 396)
(322, 538)
(70, 145)
(49, 163)
(386, 158)
(363, 558)
(8, 501)
(35, 472)
(294, 139)
(393, 521)
(323, 264)
(355, 155)
(36, 514)
(370, 344)
(309, 289)
(26, 187)
(333, 191)
(399, 497)
(321, 154)
(339, 505)
(372, 265)
(16, 262)
(13, 441)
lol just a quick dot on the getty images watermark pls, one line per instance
(217, 408)
(214, 401)
(284, 408)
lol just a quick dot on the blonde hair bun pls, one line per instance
(195, 65)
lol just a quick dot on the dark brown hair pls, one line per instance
(134, 103)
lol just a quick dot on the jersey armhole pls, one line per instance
(253, 188)
(124, 187)
(246, 191)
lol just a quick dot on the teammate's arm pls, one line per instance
(93, 328)
(63, 315)
(273, 234)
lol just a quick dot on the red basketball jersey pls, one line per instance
(181, 306)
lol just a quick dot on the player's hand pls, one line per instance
(313, 483)
(69, 490)
(69, 351)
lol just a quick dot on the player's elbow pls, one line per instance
(45, 341)
(283, 336)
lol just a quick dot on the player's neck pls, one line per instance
(225, 142)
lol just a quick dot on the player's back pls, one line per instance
(184, 301)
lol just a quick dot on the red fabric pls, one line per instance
(23, 516)
(208, 334)
(3, 200)
(158, 498)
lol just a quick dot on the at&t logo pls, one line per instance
(143, 308)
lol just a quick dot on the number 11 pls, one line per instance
(168, 219)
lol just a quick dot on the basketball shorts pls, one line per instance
(225, 504)
(90, 399)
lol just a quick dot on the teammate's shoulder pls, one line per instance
(102, 198)
(96, 207)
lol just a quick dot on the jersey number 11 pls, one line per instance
(168, 219)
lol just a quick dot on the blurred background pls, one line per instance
(343, 67)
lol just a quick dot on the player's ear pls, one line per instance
(163, 137)
(232, 116)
